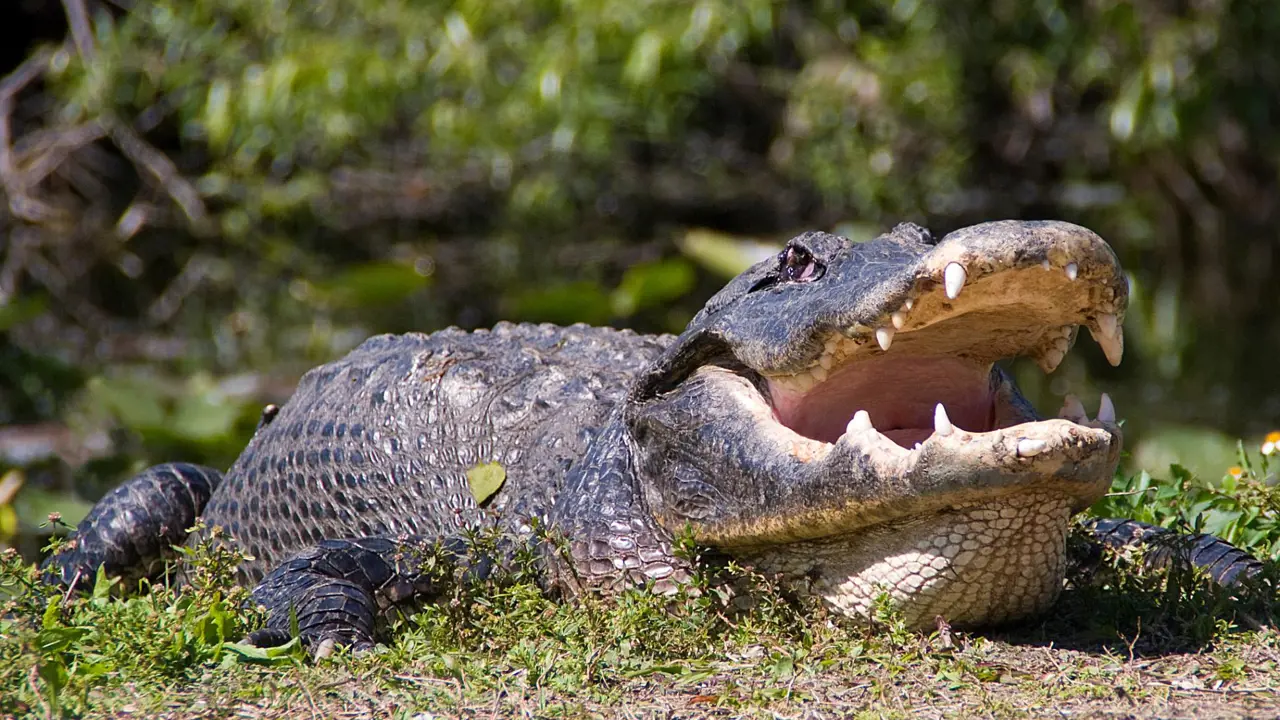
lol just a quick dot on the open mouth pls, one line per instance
(927, 366)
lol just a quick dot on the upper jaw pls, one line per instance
(990, 291)
(985, 293)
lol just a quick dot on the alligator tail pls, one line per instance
(132, 531)
(1225, 563)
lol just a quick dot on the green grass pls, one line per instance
(1122, 640)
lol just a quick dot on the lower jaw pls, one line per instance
(978, 565)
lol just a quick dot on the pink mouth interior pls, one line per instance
(899, 394)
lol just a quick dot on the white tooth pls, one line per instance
(825, 361)
(1107, 323)
(802, 382)
(910, 303)
(916, 446)
(1046, 264)
(941, 423)
(1110, 336)
(884, 336)
(1112, 345)
(953, 277)
(1029, 447)
(1072, 270)
(1106, 411)
(861, 422)
(1073, 410)
(898, 319)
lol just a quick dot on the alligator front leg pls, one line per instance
(336, 590)
(612, 541)
(133, 530)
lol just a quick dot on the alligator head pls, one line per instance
(835, 415)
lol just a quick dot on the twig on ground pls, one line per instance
(186, 282)
(163, 171)
(50, 148)
(81, 32)
(10, 86)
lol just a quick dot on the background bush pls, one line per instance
(207, 197)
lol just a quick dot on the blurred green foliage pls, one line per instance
(1243, 508)
(222, 193)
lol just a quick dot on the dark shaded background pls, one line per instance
(207, 197)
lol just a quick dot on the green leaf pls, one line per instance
(8, 522)
(651, 284)
(564, 304)
(51, 613)
(372, 284)
(54, 673)
(136, 404)
(286, 654)
(52, 640)
(204, 417)
(20, 310)
(102, 584)
(724, 255)
(645, 60)
(783, 666)
(485, 480)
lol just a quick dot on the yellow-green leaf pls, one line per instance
(485, 480)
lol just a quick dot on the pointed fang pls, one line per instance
(1107, 323)
(898, 319)
(1073, 270)
(861, 422)
(953, 278)
(1110, 336)
(884, 336)
(941, 423)
(1030, 447)
(1106, 411)
(1073, 410)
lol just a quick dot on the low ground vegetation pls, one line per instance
(1124, 639)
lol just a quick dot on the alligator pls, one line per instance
(834, 416)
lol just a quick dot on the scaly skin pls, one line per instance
(792, 425)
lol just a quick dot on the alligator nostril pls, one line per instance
(915, 232)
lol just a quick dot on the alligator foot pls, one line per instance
(336, 590)
(132, 531)
(1224, 562)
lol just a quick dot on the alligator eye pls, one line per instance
(799, 266)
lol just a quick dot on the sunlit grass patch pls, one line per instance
(733, 642)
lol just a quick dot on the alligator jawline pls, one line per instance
(935, 352)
